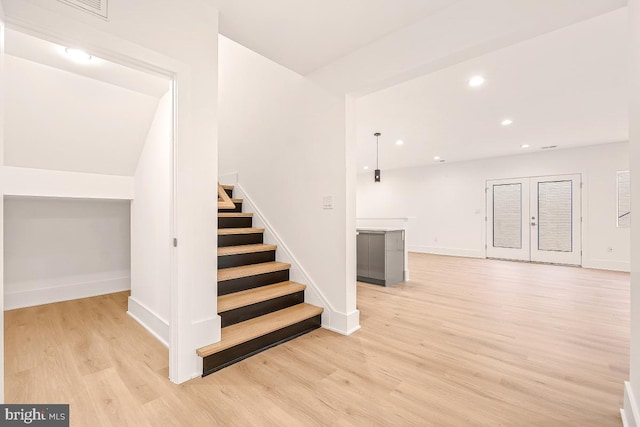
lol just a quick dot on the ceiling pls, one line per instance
(43, 52)
(306, 35)
(61, 115)
(565, 88)
(59, 120)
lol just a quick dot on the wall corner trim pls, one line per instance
(629, 412)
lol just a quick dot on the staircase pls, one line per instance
(258, 305)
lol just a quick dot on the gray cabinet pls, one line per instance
(380, 256)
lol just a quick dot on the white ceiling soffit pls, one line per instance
(464, 30)
(565, 88)
(306, 35)
(37, 50)
(62, 121)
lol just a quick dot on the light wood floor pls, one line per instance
(467, 342)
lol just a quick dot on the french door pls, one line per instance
(535, 219)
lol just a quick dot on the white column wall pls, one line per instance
(2, 89)
(151, 237)
(285, 137)
(632, 388)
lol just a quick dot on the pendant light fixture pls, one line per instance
(376, 175)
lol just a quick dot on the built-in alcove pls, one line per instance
(57, 249)
(87, 181)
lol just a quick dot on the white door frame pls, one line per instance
(528, 253)
(137, 57)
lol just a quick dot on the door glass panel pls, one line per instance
(555, 222)
(507, 216)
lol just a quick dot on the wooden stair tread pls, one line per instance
(259, 326)
(228, 187)
(235, 215)
(256, 295)
(251, 270)
(230, 231)
(236, 200)
(245, 249)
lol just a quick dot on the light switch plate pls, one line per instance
(327, 202)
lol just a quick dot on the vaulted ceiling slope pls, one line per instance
(358, 46)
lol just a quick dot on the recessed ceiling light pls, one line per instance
(78, 55)
(506, 122)
(476, 81)
(436, 158)
(366, 168)
(548, 147)
(399, 142)
(525, 146)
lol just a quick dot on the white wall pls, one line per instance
(445, 203)
(151, 228)
(3, 84)
(632, 388)
(64, 121)
(179, 37)
(59, 249)
(285, 137)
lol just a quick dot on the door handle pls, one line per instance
(533, 224)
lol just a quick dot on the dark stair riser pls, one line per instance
(229, 192)
(239, 239)
(220, 360)
(227, 261)
(241, 314)
(243, 283)
(235, 222)
(238, 208)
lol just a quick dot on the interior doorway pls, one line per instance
(535, 219)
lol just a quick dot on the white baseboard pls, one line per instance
(629, 413)
(344, 324)
(469, 253)
(21, 299)
(149, 320)
(601, 264)
(332, 319)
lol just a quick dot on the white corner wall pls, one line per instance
(630, 412)
(446, 206)
(61, 249)
(178, 37)
(285, 138)
(150, 298)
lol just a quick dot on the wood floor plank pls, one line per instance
(245, 249)
(259, 326)
(251, 270)
(230, 231)
(465, 342)
(235, 214)
(256, 295)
